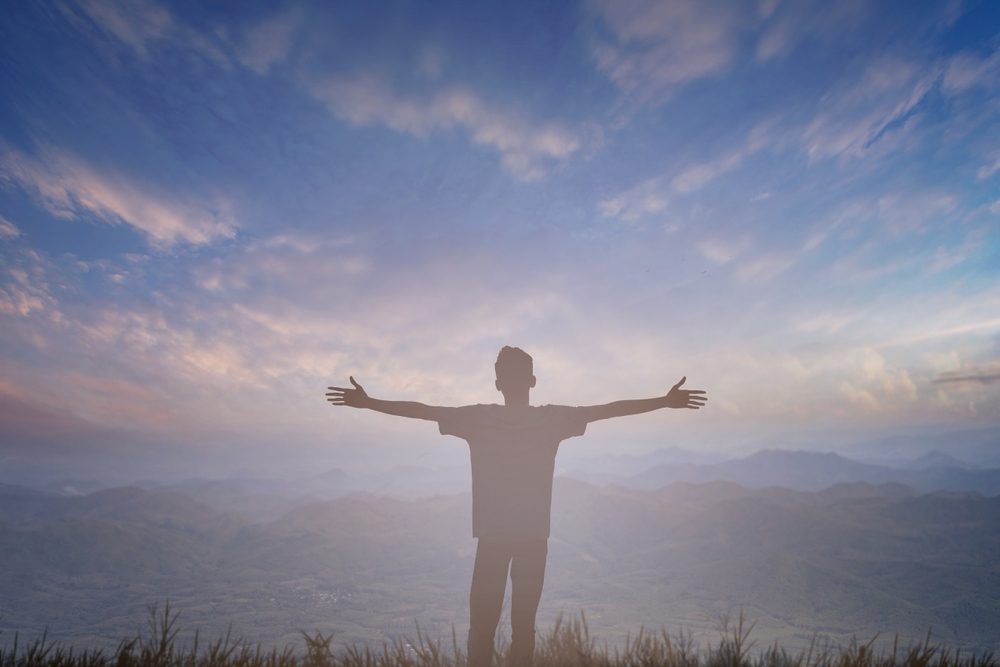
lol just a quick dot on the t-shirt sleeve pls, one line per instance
(568, 422)
(455, 421)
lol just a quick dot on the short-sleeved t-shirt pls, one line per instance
(513, 454)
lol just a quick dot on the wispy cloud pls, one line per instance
(68, 187)
(8, 230)
(659, 45)
(140, 25)
(984, 374)
(944, 332)
(988, 170)
(873, 109)
(653, 195)
(971, 70)
(784, 24)
(219, 352)
(17, 297)
(904, 213)
(721, 251)
(765, 267)
(526, 148)
(134, 22)
(269, 42)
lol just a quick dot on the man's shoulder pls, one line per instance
(466, 412)
(478, 407)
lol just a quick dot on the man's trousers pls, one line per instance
(526, 561)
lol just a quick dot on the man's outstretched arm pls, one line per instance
(357, 398)
(676, 398)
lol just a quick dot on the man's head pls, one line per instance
(514, 370)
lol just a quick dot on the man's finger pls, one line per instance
(696, 391)
(679, 383)
(356, 385)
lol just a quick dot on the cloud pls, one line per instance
(654, 194)
(525, 148)
(135, 22)
(907, 213)
(964, 328)
(856, 117)
(860, 397)
(764, 268)
(889, 380)
(946, 258)
(985, 375)
(269, 42)
(969, 70)
(988, 170)
(140, 24)
(26, 290)
(720, 251)
(697, 176)
(431, 62)
(786, 23)
(281, 320)
(68, 188)
(829, 380)
(7, 229)
(650, 196)
(16, 299)
(659, 45)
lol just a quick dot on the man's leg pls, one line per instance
(489, 579)
(527, 574)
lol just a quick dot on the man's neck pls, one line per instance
(518, 400)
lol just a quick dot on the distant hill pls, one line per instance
(265, 500)
(854, 559)
(20, 504)
(813, 471)
(936, 459)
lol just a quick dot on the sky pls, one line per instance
(210, 211)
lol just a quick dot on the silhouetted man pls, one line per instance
(513, 449)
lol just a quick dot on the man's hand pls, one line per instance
(677, 398)
(683, 398)
(355, 398)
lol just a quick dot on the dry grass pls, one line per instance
(569, 644)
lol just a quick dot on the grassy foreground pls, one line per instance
(568, 644)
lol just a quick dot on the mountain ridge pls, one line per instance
(853, 559)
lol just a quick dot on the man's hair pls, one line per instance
(513, 362)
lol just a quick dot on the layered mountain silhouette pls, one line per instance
(812, 471)
(855, 559)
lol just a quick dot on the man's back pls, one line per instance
(513, 453)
